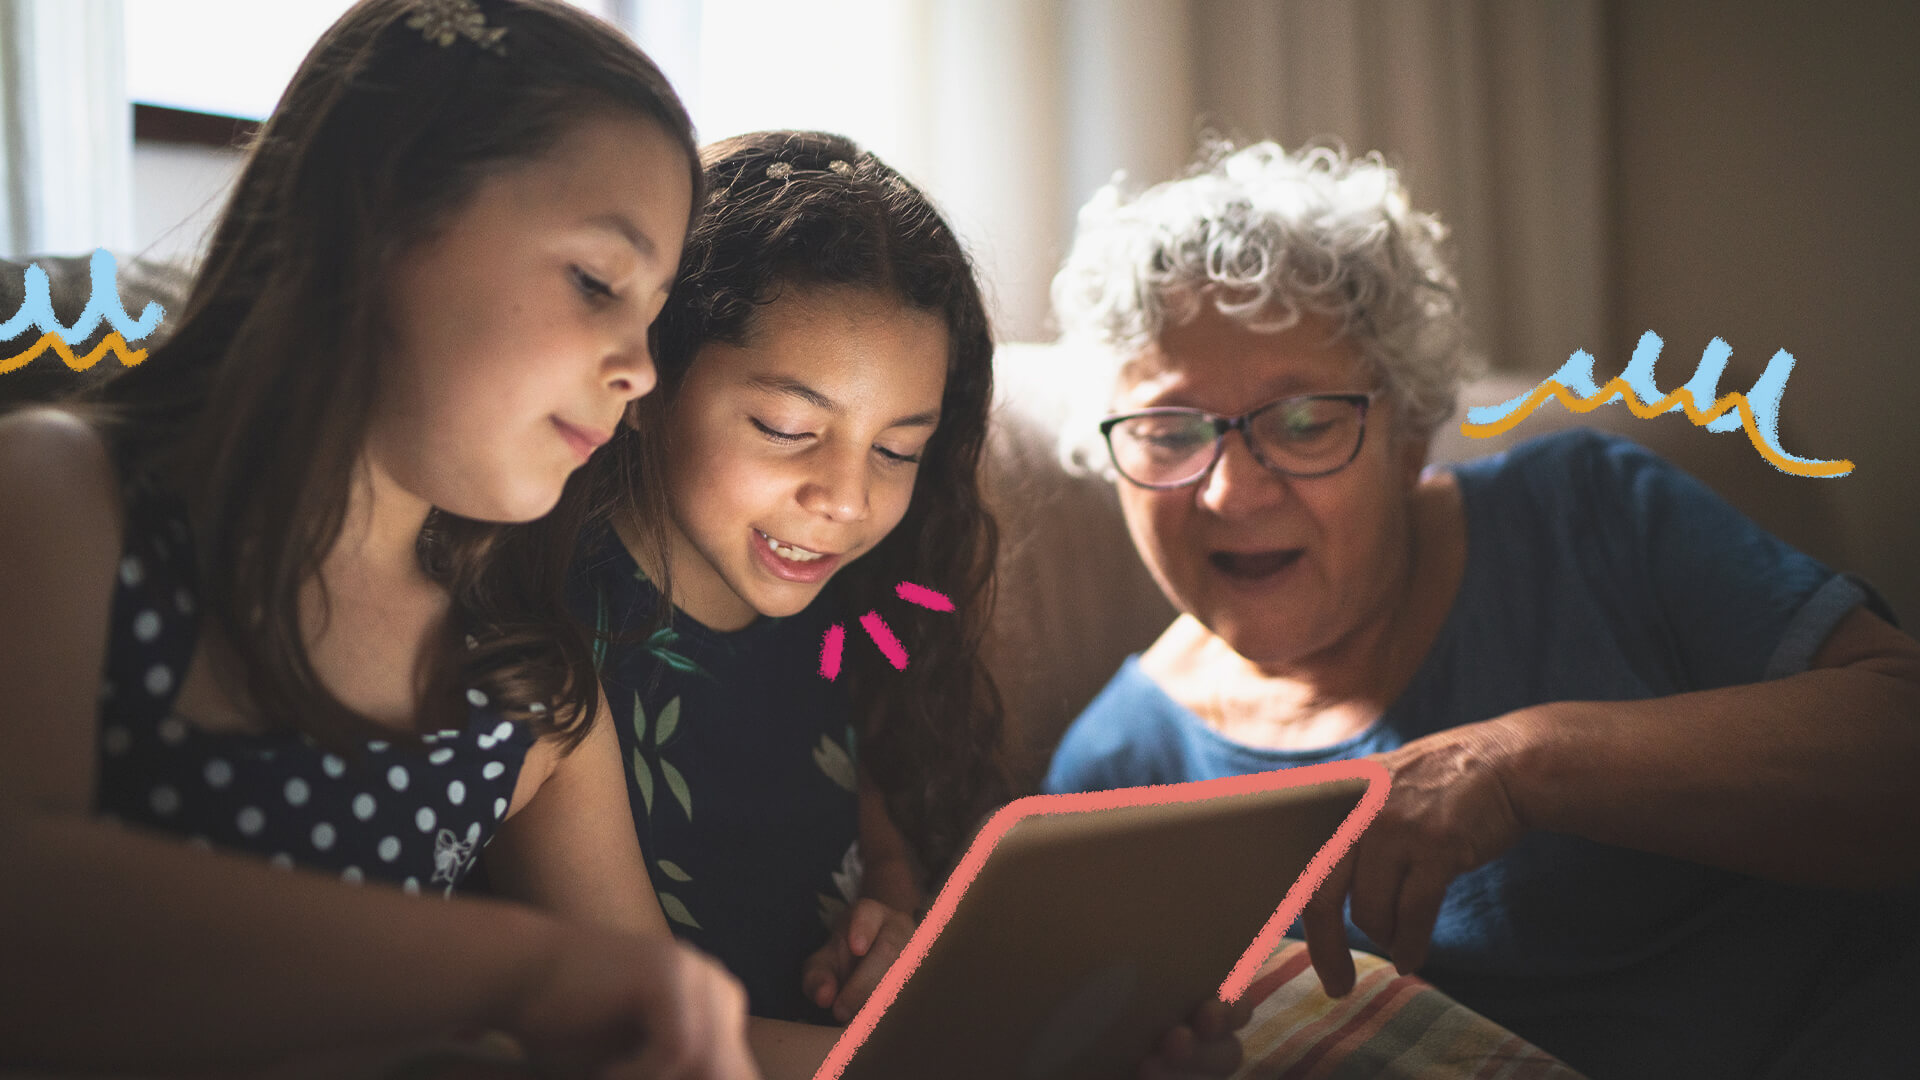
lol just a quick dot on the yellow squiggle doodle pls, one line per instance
(113, 342)
(1757, 412)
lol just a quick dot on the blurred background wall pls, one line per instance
(1698, 168)
(1763, 185)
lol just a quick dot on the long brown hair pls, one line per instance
(830, 214)
(256, 406)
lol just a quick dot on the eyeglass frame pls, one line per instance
(1222, 425)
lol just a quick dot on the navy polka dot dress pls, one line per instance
(411, 816)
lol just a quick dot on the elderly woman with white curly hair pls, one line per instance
(1653, 770)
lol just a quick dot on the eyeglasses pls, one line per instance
(1307, 436)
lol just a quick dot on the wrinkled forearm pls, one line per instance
(1806, 780)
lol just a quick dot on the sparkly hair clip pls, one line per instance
(781, 170)
(440, 21)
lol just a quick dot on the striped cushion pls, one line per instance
(1389, 1025)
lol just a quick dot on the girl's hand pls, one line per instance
(1448, 812)
(1205, 1046)
(866, 941)
(633, 1007)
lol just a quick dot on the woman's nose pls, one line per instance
(1237, 482)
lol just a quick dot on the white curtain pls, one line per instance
(1011, 112)
(66, 129)
(1493, 109)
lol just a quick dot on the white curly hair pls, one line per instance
(1266, 235)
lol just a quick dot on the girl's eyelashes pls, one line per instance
(591, 287)
(774, 433)
(891, 457)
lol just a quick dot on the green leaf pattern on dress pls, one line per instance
(847, 880)
(661, 643)
(669, 720)
(831, 908)
(675, 907)
(678, 785)
(678, 912)
(665, 726)
(643, 778)
(836, 763)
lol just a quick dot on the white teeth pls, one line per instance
(793, 553)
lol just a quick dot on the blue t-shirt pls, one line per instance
(740, 772)
(1597, 572)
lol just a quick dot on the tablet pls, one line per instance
(1079, 928)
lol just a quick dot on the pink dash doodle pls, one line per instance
(923, 596)
(833, 646)
(830, 652)
(882, 635)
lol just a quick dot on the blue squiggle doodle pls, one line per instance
(1758, 409)
(36, 308)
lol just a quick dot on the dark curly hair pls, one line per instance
(256, 406)
(828, 214)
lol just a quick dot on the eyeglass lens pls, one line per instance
(1301, 436)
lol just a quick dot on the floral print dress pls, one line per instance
(740, 772)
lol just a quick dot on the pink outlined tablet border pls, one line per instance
(997, 826)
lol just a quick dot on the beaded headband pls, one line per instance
(440, 21)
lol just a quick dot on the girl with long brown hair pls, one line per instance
(826, 372)
(302, 543)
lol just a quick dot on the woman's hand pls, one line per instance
(866, 940)
(629, 1006)
(1207, 1045)
(1448, 812)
